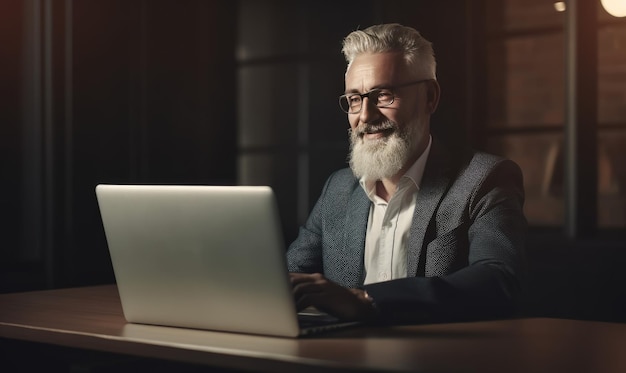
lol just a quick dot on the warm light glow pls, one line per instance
(559, 6)
(616, 8)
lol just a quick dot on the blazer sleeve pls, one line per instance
(332, 239)
(304, 255)
(489, 286)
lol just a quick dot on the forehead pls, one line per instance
(369, 71)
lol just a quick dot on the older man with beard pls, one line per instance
(411, 232)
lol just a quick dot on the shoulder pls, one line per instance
(487, 177)
(340, 187)
(471, 173)
(341, 180)
(474, 167)
(344, 175)
(484, 165)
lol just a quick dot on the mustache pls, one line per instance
(360, 131)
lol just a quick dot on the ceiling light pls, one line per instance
(616, 8)
(559, 6)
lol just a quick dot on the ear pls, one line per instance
(432, 95)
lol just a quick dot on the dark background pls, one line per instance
(230, 92)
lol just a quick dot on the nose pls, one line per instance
(369, 112)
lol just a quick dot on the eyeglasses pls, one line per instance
(352, 103)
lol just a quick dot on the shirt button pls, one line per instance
(384, 276)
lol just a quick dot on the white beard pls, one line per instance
(381, 158)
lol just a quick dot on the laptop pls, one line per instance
(203, 257)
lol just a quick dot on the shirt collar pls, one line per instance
(414, 174)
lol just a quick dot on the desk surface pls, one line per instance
(91, 318)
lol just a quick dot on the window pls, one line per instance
(525, 99)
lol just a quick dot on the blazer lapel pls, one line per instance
(356, 227)
(435, 182)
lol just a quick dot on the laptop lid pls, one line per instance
(206, 257)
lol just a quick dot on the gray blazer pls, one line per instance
(466, 245)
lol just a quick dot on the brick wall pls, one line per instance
(525, 91)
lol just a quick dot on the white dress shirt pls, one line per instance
(389, 224)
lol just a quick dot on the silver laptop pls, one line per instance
(204, 257)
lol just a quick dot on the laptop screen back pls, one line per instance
(208, 257)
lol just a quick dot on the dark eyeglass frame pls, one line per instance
(373, 93)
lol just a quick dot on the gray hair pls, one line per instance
(393, 37)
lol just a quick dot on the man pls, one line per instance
(412, 232)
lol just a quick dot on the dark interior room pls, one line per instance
(198, 92)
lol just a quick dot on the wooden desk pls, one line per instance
(91, 318)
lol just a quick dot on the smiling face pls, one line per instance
(386, 141)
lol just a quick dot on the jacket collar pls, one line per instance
(435, 183)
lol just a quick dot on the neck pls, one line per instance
(386, 188)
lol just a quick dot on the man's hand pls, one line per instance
(317, 291)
